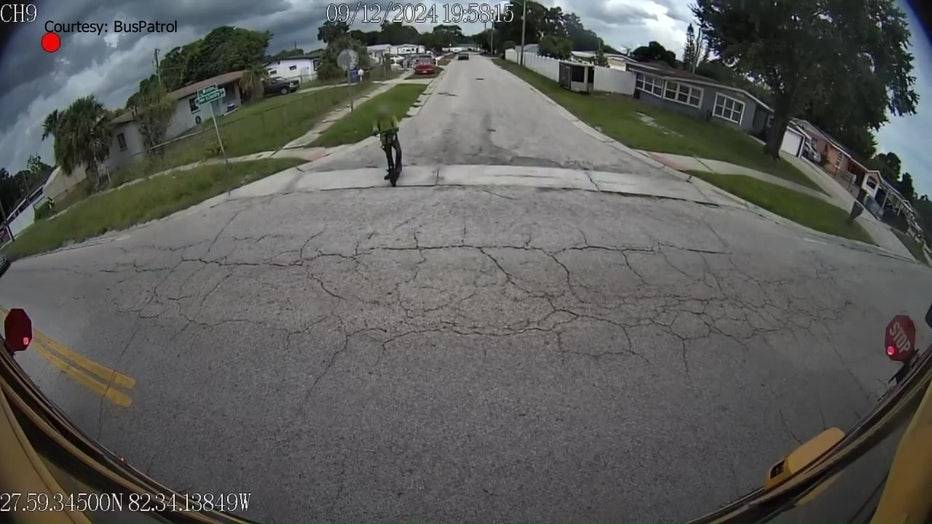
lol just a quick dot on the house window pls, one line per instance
(292, 68)
(273, 72)
(728, 108)
(192, 103)
(837, 162)
(121, 140)
(683, 93)
(650, 84)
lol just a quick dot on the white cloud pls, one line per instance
(117, 63)
(908, 136)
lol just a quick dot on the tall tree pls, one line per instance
(50, 124)
(816, 49)
(905, 187)
(329, 69)
(396, 33)
(555, 47)
(511, 29)
(83, 137)
(600, 59)
(690, 52)
(223, 50)
(888, 164)
(285, 53)
(332, 30)
(153, 113)
(654, 52)
(583, 39)
(10, 191)
(252, 82)
(35, 165)
(447, 35)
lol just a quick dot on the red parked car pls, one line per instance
(424, 67)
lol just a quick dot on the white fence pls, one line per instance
(23, 220)
(606, 79)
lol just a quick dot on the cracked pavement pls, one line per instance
(467, 353)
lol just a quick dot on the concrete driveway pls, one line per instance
(468, 352)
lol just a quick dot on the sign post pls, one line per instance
(209, 95)
(347, 60)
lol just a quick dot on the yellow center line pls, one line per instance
(110, 375)
(114, 396)
(80, 368)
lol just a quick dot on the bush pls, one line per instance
(44, 211)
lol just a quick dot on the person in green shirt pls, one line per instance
(386, 128)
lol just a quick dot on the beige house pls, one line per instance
(60, 184)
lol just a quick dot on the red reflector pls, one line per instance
(891, 351)
(25, 341)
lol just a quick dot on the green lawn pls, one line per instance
(914, 248)
(133, 204)
(798, 207)
(642, 126)
(261, 126)
(357, 125)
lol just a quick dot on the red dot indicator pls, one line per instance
(51, 42)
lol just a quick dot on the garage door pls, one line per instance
(792, 142)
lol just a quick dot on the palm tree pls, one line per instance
(51, 123)
(251, 84)
(82, 137)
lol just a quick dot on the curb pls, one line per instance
(704, 186)
(425, 96)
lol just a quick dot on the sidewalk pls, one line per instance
(335, 115)
(834, 194)
(343, 84)
(295, 149)
(691, 163)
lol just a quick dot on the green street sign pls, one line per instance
(209, 94)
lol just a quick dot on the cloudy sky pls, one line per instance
(34, 82)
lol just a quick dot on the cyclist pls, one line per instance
(386, 127)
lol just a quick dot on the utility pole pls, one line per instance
(523, 30)
(158, 72)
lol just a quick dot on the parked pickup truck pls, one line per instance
(279, 86)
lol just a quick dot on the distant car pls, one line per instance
(463, 56)
(424, 67)
(280, 86)
(4, 264)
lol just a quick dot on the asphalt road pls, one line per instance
(469, 353)
(480, 114)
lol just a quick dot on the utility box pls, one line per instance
(577, 77)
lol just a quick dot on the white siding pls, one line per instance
(293, 68)
(606, 79)
(185, 119)
(134, 146)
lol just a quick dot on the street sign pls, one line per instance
(209, 94)
(347, 59)
(900, 338)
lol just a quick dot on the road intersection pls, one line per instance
(493, 351)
